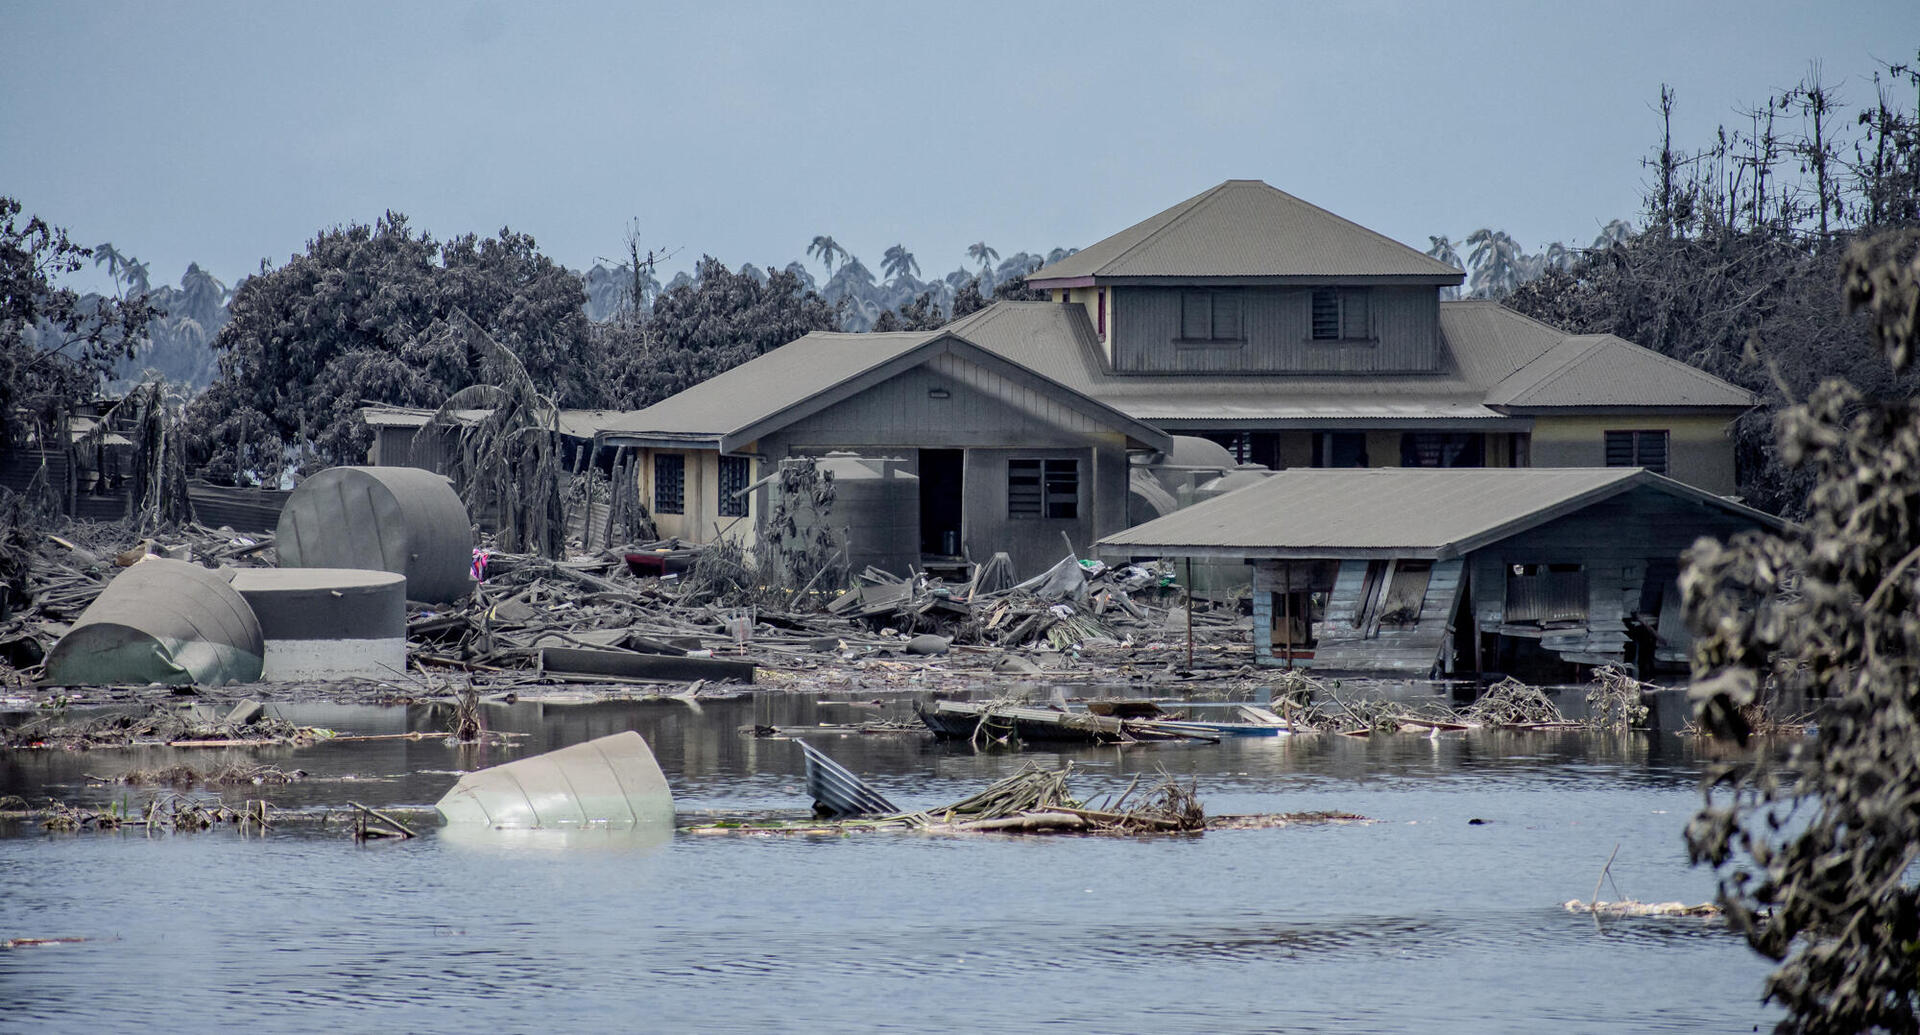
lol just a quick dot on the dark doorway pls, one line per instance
(941, 501)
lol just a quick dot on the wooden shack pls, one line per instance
(1456, 571)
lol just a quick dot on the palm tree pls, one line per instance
(898, 262)
(980, 253)
(826, 249)
(1497, 262)
(1443, 250)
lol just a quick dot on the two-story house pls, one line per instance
(1245, 315)
(1300, 339)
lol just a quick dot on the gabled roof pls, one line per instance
(734, 408)
(1245, 229)
(1392, 511)
(1604, 371)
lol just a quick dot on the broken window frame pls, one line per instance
(1542, 593)
(736, 473)
(1043, 489)
(669, 483)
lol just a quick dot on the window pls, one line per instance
(1340, 449)
(1392, 593)
(1100, 311)
(1342, 314)
(669, 483)
(1326, 314)
(736, 473)
(1043, 489)
(1443, 449)
(1210, 316)
(1646, 449)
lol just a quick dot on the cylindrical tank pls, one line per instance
(161, 621)
(399, 519)
(328, 623)
(876, 505)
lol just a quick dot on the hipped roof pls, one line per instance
(731, 410)
(1411, 512)
(1245, 229)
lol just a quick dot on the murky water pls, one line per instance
(1418, 922)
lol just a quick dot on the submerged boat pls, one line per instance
(969, 720)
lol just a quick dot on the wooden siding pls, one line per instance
(981, 408)
(1617, 541)
(1277, 324)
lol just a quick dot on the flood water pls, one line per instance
(1420, 921)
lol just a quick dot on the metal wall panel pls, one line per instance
(1278, 329)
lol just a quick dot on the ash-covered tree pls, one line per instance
(56, 346)
(710, 323)
(362, 317)
(1817, 858)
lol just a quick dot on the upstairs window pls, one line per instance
(669, 483)
(1043, 489)
(1342, 314)
(1646, 449)
(736, 473)
(1211, 316)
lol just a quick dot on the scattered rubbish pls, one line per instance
(993, 722)
(161, 621)
(837, 791)
(36, 943)
(1631, 908)
(927, 644)
(630, 665)
(364, 830)
(398, 519)
(159, 725)
(612, 781)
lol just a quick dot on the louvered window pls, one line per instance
(1646, 449)
(1326, 314)
(735, 476)
(669, 483)
(1043, 488)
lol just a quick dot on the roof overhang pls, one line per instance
(1302, 280)
(657, 440)
(1729, 412)
(1453, 422)
(1268, 553)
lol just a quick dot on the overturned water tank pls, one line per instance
(161, 621)
(876, 507)
(399, 519)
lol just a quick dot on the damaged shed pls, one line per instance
(1456, 571)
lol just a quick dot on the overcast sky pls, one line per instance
(229, 133)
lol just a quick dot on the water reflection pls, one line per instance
(1419, 921)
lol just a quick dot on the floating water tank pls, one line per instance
(161, 621)
(328, 623)
(399, 519)
(876, 505)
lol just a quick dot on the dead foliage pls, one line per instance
(1615, 701)
(1512, 703)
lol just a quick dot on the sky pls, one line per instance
(229, 134)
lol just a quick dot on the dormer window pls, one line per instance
(1341, 314)
(1211, 317)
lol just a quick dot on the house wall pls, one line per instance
(1699, 448)
(701, 497)
(1412, 649)
(1144, 329)
(1616, 541)
(993, 419)
(1089, 297)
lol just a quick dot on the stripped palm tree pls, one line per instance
(510, 457)
(1497, 264)
(897, 263)
(826, 249)
(979, 252)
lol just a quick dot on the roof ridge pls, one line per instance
(1187, 208)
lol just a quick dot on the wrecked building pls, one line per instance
(1456, 572)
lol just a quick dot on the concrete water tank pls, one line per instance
(398, 519)
(328, 623)
(876, 505)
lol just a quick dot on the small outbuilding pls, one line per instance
(1456, 571)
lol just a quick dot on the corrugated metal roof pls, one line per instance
(1414, 511)
(1601, 370)
(573, 423)
(763, 388)
(767, 384)
(1245, 228)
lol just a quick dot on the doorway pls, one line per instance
(941, 501)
